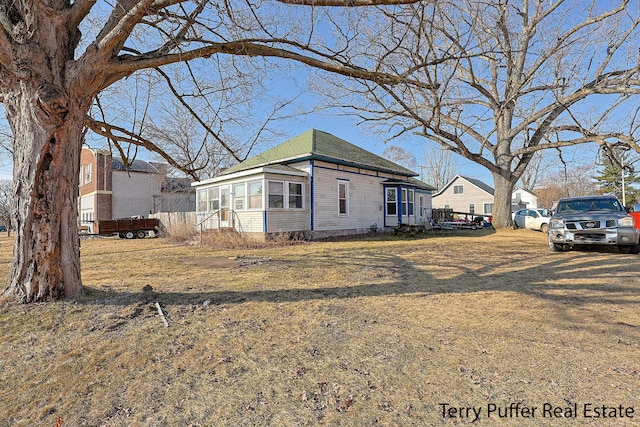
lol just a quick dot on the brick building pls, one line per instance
(108, 189)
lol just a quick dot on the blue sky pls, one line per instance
(6, 170)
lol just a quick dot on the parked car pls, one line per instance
(532, 219)
(593, 220)
(3, 228)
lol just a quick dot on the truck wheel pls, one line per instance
(544, 228)
(129, 235)
(554, 247)
(141, 234)
(625, 249)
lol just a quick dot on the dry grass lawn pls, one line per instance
(371, 332)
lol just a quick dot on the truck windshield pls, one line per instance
(609, 205)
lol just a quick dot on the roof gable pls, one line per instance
(524, 191)
(481, 185)
(315, 144)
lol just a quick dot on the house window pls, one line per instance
(410, 202)
(488, 208)
(276, 194)
(343, 197)
(391, 200)
(239, 196)
(202, 200)
(255, 195)
(295, 195)
(87, 173)
(458, 189)
(472, 208)
(214, 199)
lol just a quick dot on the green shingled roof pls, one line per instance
(315, 144)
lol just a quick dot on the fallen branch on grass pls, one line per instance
(161, 314)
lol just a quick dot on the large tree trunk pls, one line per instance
(46, 264)
(46, 101)
(503, 189)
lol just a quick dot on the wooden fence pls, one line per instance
(174, 222)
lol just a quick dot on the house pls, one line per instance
(464, 194)
(470, 195)
(523, 199)
(316, 184)
(109, 189)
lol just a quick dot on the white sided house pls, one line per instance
(523, 199)
(464, 194)
(470, 195)
(316, 184)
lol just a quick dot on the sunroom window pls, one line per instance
(255, 195)
(214, 198)
(239, 196)
(276, 194)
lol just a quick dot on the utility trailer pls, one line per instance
(448, 219)
(129, 228)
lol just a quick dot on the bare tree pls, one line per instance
(58, 58)
(398, 155)
(533, 173)
(186, 141)
(507, 79)
(194, 121)
(570, 181)
(440, 166)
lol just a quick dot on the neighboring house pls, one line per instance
(464, 194)
(315, 184)
(108, 189)
(523, 199)
(470, 195)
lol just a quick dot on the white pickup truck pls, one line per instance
(593, 220)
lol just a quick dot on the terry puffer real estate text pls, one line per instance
(546, 410)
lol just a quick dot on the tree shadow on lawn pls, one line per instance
(547, 281)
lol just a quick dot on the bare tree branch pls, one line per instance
(347, 3)
(197, 117)
(126, 136)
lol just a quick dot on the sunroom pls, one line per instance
(269, 199)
